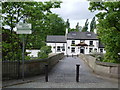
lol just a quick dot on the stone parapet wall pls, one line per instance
(101, 68)
(13, 69)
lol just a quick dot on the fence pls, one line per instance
(8, 67)
(13, 69)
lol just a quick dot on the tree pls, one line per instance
(53, 25)
(32, 12)
(92, 25)
(108, 27)
(77, 27)
(56, 25)
(85, 28)
(72, 29)
(7, 52)
(67, 24)
(44, 51)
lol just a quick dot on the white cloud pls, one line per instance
(75, 11)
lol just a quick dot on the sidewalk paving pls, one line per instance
(63, 75)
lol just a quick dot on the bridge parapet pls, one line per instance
(102, 68)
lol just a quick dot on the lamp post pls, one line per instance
(23, 28)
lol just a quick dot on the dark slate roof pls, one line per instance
(82, 35)
(56, 38)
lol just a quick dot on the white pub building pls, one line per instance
(74, 43)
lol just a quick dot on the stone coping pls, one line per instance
(102, 68)
(107, 64)
(33, 60)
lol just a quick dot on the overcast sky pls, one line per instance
(75, 11)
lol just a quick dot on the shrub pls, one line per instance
(44, 51)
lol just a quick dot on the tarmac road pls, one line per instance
(63, 75)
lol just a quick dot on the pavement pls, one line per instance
(63, 75)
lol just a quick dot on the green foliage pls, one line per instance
(67, 24)
(11, 46)
(53, 25)
(43, 23)
(85, 28)
(44, 51)
(92, 25)
(27, 58)
(109, 28)
(72, 29)
(77, 27)
(72, 44)
(56, 25)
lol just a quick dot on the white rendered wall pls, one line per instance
(77, 48)
(34, 53)
(77, 51)
(54, 47)
(95, 43)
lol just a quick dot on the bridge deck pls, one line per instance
(63, 75)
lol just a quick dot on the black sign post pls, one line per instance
(77, 72)
(46, 73)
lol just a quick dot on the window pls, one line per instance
(95, 49)
(73, 42)
(73, 49)
(90, 50)
(91, 42)
(58, 48)
(101, 50)
(63, 48)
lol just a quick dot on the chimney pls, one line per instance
(95, 31)
(66, 32)
(67, 27)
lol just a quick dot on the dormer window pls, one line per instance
(74, 34)
(89, 34)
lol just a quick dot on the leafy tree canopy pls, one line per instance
(39, 15)
(85, 27)
(92, 25)
(108, 27)
(44, 51)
